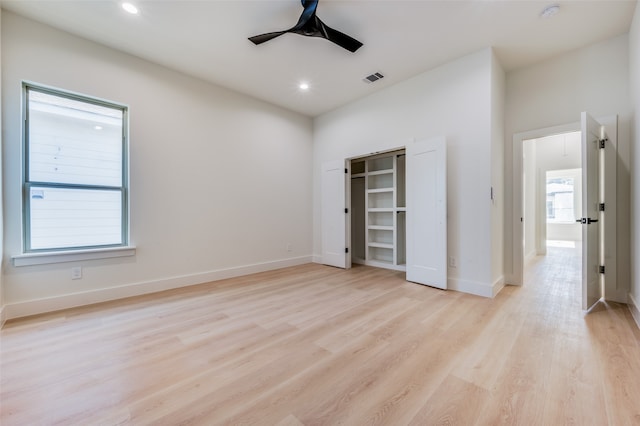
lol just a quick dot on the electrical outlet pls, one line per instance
(452, 262)
(289, 248)
(76, 272)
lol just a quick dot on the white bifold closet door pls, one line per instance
(427, 212)
(333, 216)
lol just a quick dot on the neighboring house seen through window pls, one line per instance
(560, 200)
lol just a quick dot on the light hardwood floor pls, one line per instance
(314, 345)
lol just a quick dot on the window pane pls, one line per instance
(74, 142)
(64, 218)
(560, 200)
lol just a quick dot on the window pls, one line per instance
(560, 200)
(75, 171)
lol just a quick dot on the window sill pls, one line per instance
(29, 259)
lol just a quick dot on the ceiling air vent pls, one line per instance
(373, 77)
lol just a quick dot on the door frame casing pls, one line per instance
(518, 195)
(611, 290)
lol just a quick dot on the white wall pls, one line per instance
(497, 170)
(559, 152)
(530, 186)
(555, 92)
(634, 72)
(218, 180)
(2, 310)
(454, 101)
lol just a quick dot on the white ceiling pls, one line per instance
(208, 38)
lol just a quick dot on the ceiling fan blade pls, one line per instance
(259, 39)
(309, 11)
(307, 14)
(341, 39)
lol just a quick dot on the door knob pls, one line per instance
(586, 221)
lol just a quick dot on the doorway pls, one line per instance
(608, 196)
(552, 200)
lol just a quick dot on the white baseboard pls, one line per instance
(464, 286)
(497, 286)
(51, 304)
(3, 316)
(510, 279)
(619, 296)
(634, 308)
(475, 287)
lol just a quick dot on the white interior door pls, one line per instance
(334, 218)
(426, 192)
(592, 133)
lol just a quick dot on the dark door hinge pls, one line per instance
(346, 171)
(602, 142)
(346, 210)
(601, 207)
(346, 249)
(602, 269)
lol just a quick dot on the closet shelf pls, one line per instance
(379, 190)
(357, 175)
(381, 227)
(381, 210)
(381, 172)
(381, 263)
(381, 245)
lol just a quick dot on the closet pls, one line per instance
(388, 210)
(378, 210)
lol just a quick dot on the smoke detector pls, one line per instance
(550, 11)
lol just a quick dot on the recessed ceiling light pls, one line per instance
(550, 11)
(304, 86)
(97, 127)
(130, 8)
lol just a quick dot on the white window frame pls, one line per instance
(64, 254)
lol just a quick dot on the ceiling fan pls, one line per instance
(311, 26)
